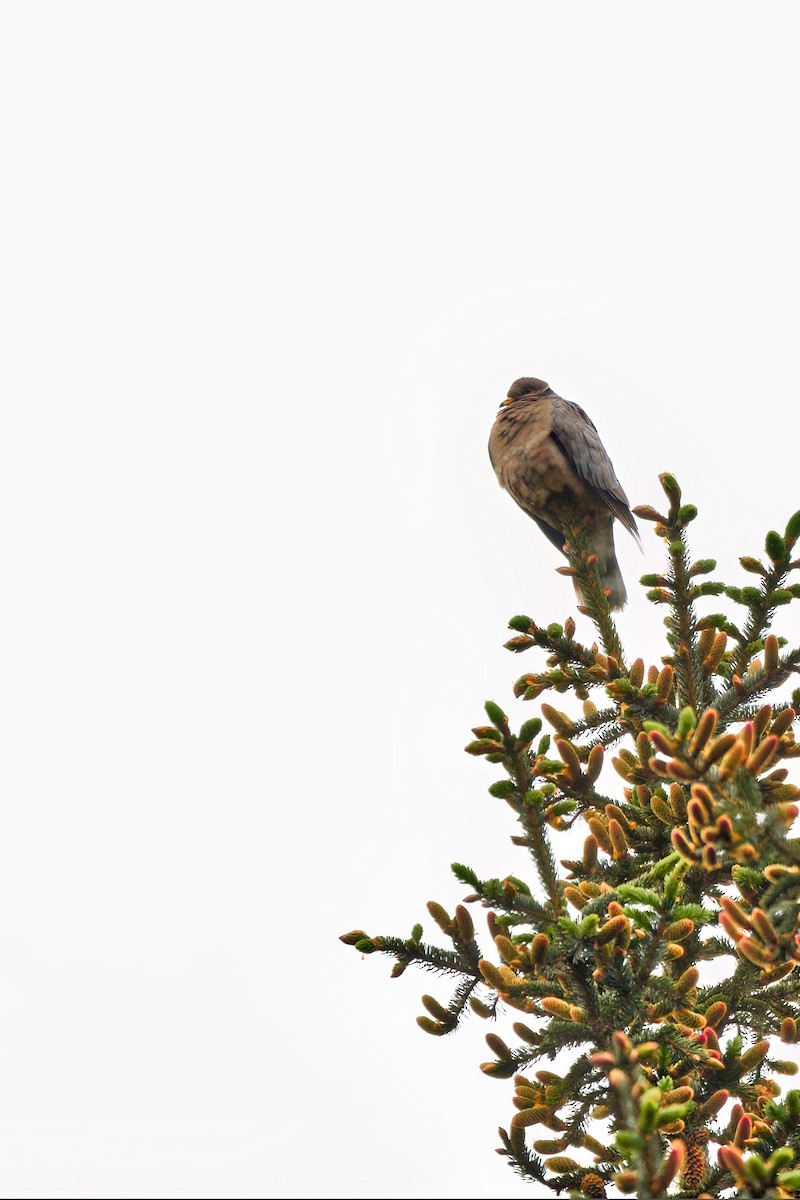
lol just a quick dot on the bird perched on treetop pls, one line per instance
(548, 456)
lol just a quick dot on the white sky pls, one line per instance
(266, 272)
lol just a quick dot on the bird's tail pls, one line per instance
(607, 565)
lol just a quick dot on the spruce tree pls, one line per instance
(664, 958)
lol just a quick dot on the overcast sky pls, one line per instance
(266, 272)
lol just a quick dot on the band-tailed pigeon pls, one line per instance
(546, 452)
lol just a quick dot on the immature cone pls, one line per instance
(730, 1158)
(550, 1145)
(752, 1057)
(538, 949)
(619, 842)
(440, 916)
(743, 1131)
(687, 981)
(600, 834)
(674, 1162)
(715, 1013)
(593, 1186)
(562, 1165)
(714, 1104)
(556, 1007)
(466, 928)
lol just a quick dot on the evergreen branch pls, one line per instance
(732, 703)
(761, 608)
(461, 997)
(583, 565)
(523, 910)
(556, 639)
(611, 734)
(509, 895)
(526, 1164)
(430, 958)
(655, 949)
(598, 720)
(532, 821)
(682, 620)
(749, 713)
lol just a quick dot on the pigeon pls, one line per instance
(547, 454)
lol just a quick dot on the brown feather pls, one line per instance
(546, 451)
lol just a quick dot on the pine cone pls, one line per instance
(594, 1187)
(695, 1167)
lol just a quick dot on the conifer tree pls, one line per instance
(664, 959)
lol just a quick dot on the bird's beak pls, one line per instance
(508, 400)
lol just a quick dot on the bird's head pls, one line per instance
(526, 389)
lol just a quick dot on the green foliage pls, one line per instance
(688, 861)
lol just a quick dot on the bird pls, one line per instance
(547, 454)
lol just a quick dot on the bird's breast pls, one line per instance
(529, 462)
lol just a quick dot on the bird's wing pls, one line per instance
(580, 442)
